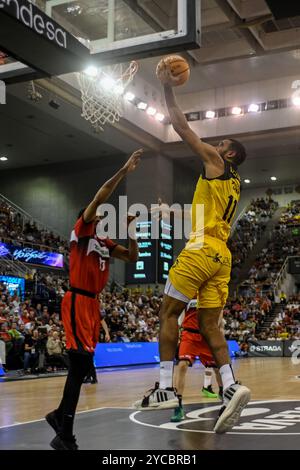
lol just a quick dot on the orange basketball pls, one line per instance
(178, 67)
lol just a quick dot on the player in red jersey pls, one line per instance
(89, 271)
(193, 345)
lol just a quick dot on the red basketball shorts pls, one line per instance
(81, 319)
(193, 345)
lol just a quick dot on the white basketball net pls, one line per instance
(102, 93)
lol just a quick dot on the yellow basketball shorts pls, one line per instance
(204, 272)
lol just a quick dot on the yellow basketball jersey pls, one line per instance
(214, 205)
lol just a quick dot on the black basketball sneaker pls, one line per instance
(235, 398)
(53, 421)
(158, 399)
(62, 443)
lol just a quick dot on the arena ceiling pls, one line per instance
(242, 42)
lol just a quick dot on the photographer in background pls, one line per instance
(42, 347)
(30, 351)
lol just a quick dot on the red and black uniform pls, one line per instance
(89, 271)
(192, 344)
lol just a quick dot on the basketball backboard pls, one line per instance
(10, 67)
(33, 45)
(122, 30)
(55, 37)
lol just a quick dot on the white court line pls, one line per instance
(133, 418)
(78, 413)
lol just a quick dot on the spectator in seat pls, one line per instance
(149, 291)
(2, 354)
(55, 349)
(17, 338)
(6, 338)
(282, 298)
(38, 310)
(3, 318)
(243, 352)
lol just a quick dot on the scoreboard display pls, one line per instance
(144, 270)
(155, 254)
(165, 250)
(294, 265)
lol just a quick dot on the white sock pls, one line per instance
(166, 374)
(227, 376)
(207, 378)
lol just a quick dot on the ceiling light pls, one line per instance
(108, 83)
(129, 96)
(119, 89)
(296, 94)
(296, 100)
(91, 71)
(247, 181)
(210, 114)
(194, 116)
(142, 105)
(159, 117)
(74, 10)
(236, 111)
(151, 111)
(253, 108)
(273, 178)
(3, 159)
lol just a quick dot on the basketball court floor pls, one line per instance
(106, 419)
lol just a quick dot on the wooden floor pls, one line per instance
(23, 401)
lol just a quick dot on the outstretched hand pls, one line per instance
(133, 160)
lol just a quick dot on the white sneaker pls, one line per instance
(236, 398)
(157, 399)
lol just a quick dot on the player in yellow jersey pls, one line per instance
(203, 267)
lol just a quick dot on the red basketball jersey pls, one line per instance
(89, 258)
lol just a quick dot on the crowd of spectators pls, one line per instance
(132, 315)
(31, 330)
(291, 216)
(283, 242)
(33, 335)
(244, 316)
(249, 229)
(286, 325)
(19, 230)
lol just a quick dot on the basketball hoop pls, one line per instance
(102, 93)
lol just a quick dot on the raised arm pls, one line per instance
(208, 154)
(108, 188)
(213, 162)
(130, 254)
